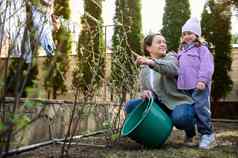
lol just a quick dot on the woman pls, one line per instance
(158, 79)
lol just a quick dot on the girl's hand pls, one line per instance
(144, 61)
(201, 85)
(146, 94)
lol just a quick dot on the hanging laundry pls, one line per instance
(69, 25)
(13, 25)
(43, 23)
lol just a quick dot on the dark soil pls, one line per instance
(226, 134)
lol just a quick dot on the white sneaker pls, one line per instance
(207, 141)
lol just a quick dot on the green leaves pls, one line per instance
(127, 36)
(107, 124)
(2, 127)
(175, 15)
(21, 120)
(57, 67)
(1, 84)
(115, 136)
(36, 2)
(216, 30)
(34, 91)
(16, 121)
(88, 75)
(30, 104)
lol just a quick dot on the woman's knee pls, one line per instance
(131, 104)
(183, 116)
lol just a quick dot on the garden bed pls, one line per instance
(226, 133)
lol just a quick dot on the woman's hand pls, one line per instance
(146, 94)
(144, 61)
(201, 85)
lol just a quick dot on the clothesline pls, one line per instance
(13, 26)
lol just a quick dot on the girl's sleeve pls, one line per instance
(206, 66)
(167, 66)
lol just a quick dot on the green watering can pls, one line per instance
(148, 124)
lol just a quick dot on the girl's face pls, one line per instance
(188, 37)
(158, 47)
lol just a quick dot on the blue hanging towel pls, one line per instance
(43, 24)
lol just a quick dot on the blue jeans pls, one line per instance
(202, 110)
(183, 116)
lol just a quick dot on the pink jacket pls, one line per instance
(195, 64)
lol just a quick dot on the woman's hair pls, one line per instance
(148, 41)
(198, 42)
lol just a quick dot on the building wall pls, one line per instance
(53, 120)
(104, 92)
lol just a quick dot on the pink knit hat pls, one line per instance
(192, 25)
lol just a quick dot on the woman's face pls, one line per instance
(188, 37)
(158, 47)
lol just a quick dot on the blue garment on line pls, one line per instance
(43, 23)
(14, 26)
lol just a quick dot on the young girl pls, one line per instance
(195, 72)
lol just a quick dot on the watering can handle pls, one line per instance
(149, 101)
